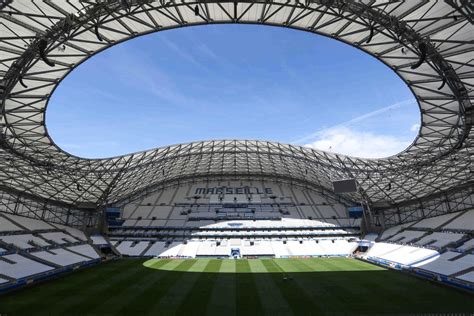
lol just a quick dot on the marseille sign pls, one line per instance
(233, 190)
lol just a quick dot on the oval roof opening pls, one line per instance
(233, 82)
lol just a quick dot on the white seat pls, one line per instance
(61, 257)
(23, 267)
(85, 250)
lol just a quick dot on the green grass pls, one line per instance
(323, 286)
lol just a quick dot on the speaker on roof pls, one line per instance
(345, 186)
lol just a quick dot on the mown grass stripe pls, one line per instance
(228, 266)
(197, 299)
(127, 287)
(133, 292)
(175, 265)
(223, 296)
(94, 294)
(184, 281)
(41, 294)
(247, 299)
(148, 302)
(295, 296)
(199, 266)
(269, 293)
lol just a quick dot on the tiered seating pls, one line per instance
(76, 233)
(132, 248)
(467, 277)
(440, 232)
(208, 248)
(441, 239)
(85, 250)
(24, 241)
(254, 247)
(29, 223)
(99, 240)
(390, 232)
(446, 265)
(20, 267)
(468, 245)
(215, 216)
(279, 249)
(60, 257)
(190, 249)
(297, 248)
(156, 249)
(259, 248)
(195, 204)
(41, 249)
(59, 238)
(371, 237)
(435, 222)
(172, 250)
(463, 222)
(402, 254)
(407, 236)
(8, 226)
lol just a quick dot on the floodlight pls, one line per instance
(423, 49)
(42, 51)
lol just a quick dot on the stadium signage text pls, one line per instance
(233, 190)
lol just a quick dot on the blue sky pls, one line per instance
(232, 82)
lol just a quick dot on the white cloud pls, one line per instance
(415, 127)
(347, 141)
(316, 135)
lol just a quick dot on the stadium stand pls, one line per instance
(29, 223)
(450, 263)
(26, 241)
(60, 257)
(171, 224)
(84, 250)
(435, 222)
(467, 277)
(172, 250)
(17, 266)
(247, 247)
(466, 246)
(390, 232)
(406, 236)
(439, 239)
(98, 240)
(59, 238)
(156, 249)
(171, 199)
(212, 218)
(76, 233)
(440, 246)
(132, 248)
(401, 254)
(8, 226)
(176, 206)
(33, 249)
(463, 222)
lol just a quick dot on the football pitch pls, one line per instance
(317, 286)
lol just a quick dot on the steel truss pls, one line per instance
(330, 195)
(446, 202)
(25, 206)
(429, 44)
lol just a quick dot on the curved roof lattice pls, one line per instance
(430, 45)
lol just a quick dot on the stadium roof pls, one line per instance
(429, 44)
